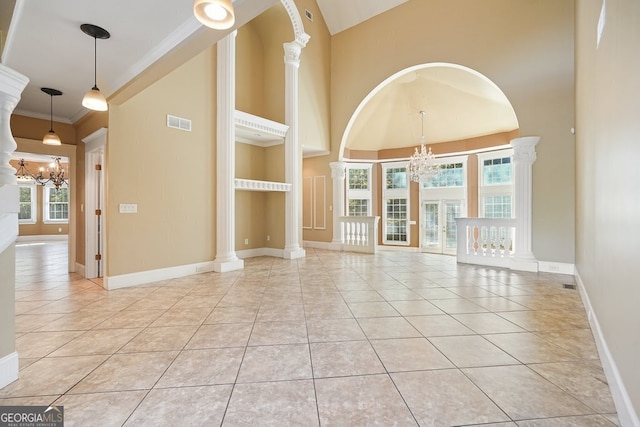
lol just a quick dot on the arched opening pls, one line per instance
(465, 117)
(464, 110)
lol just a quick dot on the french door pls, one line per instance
(438, 226)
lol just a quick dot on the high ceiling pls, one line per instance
(43, 40)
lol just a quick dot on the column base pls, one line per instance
(294, 253)
(8, 369)
(524, 264)
(226, 266)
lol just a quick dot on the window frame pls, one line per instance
(359, 193)
(489, 190)
(46, 190)
(396, 193)
(34, 201)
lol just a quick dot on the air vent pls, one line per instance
(568, 286)
(178, 123)
(309, 15)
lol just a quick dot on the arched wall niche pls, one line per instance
(464, 111)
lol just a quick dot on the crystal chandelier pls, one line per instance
(54, 173)
(422, 164)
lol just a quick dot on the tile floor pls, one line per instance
(331, 339)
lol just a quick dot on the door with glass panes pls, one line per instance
(438, 226)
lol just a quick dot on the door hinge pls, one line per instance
(98, 257)
(98, 167)
(98, 212)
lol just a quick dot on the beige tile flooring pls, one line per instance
(331, 339)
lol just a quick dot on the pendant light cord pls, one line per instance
(95, 63)
(51, 111)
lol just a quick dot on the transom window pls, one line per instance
(496, 171)
(451, 175)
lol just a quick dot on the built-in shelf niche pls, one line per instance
(261, 132)
(258, 131)
(255, 185)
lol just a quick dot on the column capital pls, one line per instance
(524, 149)
(338, 170)
(12, 84)
(292, 51)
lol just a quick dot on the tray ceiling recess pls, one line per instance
(258, 131)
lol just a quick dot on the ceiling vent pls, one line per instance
(178, 123)
(308, 14)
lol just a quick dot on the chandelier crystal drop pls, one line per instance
(422, 164)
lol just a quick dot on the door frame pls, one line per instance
(95, 147)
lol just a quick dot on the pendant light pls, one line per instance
(216, 14)
(51, 138)
(94, 99)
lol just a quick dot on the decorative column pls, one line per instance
(338, 174)
(226, 258)
(292, 156)
(524, 154)
(11, 86)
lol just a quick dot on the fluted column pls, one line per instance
(226, 258)
(338, 175)
(293, 155)
(524, 154)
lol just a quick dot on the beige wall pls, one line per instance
(314, 78)
(7, 301)
(607, 177)
(525, 47)
(170, 174)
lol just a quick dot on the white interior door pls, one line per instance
(94, 207)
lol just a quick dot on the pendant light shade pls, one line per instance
(216, 14)
(51, 138)
(94, 99)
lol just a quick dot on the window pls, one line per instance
(451, 175)
(28, 205)
(395, 204)
(497, 206)
(495, 184)
(497, 171)
(56, 204)
(359, 190)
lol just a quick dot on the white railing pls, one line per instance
(486, 241)
(360, 233)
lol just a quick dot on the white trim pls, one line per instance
(9, 368)
(80, 269)
(150, 276)
(256, 185)
(322, 245)
(556, 267)
(621, 398)
(250, 253)
(43, 238)
(393, 248)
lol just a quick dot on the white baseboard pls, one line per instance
(150, 276)
(9, 367)
(250, 253)
(43, 238)
(622, 400)
(80, 269)
(322, 245)
(556, 267)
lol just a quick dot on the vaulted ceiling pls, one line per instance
(43, 40)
